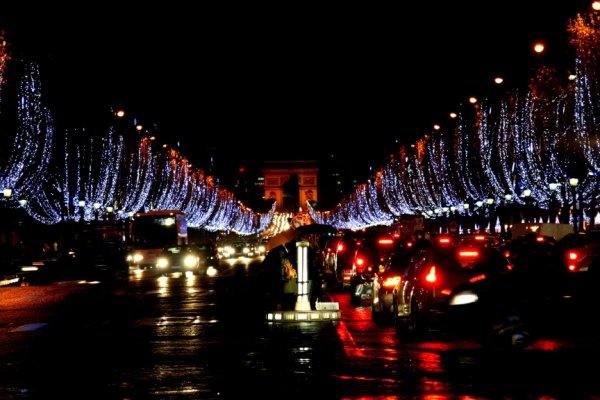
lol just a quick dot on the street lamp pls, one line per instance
(120, 113)
(81, 203)
(553, 186)
(139, 127)
(498, 80)
(466, 206)
(539, 47)
(490, 201)
(572, 77)
(472, 100)
(596, 5)
(479, 203)
(573, 182)
(436, 127)
(453, 115)
(452, 208)
(7, 192)
(527, 193)
(22, 202)
(508, 197)
(109, 209)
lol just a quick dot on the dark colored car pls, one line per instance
(374, 254)
(338, 258)
(579, 255)
(454, 287)
(387, 277)
(188, 259)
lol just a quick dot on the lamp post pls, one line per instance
(528, 212)
(573, 182)
(96, 206)
(81, 205)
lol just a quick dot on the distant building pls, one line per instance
(291, 183)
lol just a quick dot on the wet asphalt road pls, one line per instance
(178, 338)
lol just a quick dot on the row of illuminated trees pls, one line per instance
(536, 149)
(77, 176)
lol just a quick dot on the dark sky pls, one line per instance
(251, 81)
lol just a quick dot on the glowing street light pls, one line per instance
(109, 209)
(436, 127)
(453, 115)
(498, 80)
(539, 47)
(526, 193)
(466, 206)
(572, 77)
(139, 127)
(490, 201)
(573, 182)
(81, 203)
(553, 186)
(472, 100)
(596, 5)
(22, 202)
(479, 203)
(7, 192)
(508, 197)
(120, 113)
(96, 205)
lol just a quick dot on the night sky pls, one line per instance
(249, 82)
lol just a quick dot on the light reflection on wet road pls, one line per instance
(198, 338)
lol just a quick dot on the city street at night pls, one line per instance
(220, 201)
(182, 338)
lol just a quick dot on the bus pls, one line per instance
(153, 231)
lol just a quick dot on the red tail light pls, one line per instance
(360, 261)
(507, 254)
(391, 281)
(396, 235)
(409, 244)
(431, 276)
(477, 278)
(540, 239)
(509, 267)
(573, 257)
(385, 241)
(340, 247)
(444, 240)
(480, 238)
(468, 254)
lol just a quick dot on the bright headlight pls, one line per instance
(262, 248)
(464, 298)
(190, 261)
(228, 250)
(162, 262)
(245, 250)
(129, 258)
(137, 257)
(211, 271)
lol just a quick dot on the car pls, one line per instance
(454, 287)
(188, 259)
(385, 280)
(338, 258)
(580, 257)
(373, 253)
